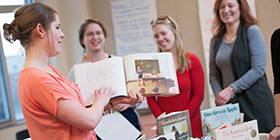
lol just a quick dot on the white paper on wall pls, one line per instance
(132, 29)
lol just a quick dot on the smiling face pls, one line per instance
(164, 37)
(94, 38)
(55, 37)
(229, 11)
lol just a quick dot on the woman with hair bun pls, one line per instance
(52, 106)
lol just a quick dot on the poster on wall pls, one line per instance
(206, 17)
(132, 29)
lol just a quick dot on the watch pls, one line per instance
(232, 89)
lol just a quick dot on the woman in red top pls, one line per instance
(52, 105)
(189, 74)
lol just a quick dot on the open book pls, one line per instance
(214, 118)
(146, 73)
(177, 122)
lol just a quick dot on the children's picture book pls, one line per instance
(243, 131)
(169, 136)
(176, 122)
(151, 74)
(115, 126)
(215, 117)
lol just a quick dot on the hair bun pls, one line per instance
(7, 26)
(8, 32)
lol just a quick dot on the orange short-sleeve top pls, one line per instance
(39, 92)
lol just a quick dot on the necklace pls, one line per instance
(230, 39)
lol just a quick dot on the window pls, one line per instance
(12, 2)
(11, 63)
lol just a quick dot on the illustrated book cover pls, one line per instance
(215, 117)
(177, 122)
(243, 131)
(151, 74)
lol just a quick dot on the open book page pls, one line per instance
(178, 122)
(116, 127)
(107, 72)
(151, 73)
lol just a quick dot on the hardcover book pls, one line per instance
(151, 74)
(215, 117)
(176, 122)
(243, 131)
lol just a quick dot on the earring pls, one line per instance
(42, 35)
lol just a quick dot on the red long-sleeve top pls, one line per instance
(191, 87)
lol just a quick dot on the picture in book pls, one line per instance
(146, 73)
(153, 76)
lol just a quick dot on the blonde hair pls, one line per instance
(184, 62)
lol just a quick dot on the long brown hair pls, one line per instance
(26, 19)
(183, 58)
(246, 17)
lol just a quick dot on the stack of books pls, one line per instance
(214, 118)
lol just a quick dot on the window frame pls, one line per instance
(12, 120)
(7, 89)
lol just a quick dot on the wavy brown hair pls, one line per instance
(246, 17)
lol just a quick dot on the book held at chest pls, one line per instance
(151, 74)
